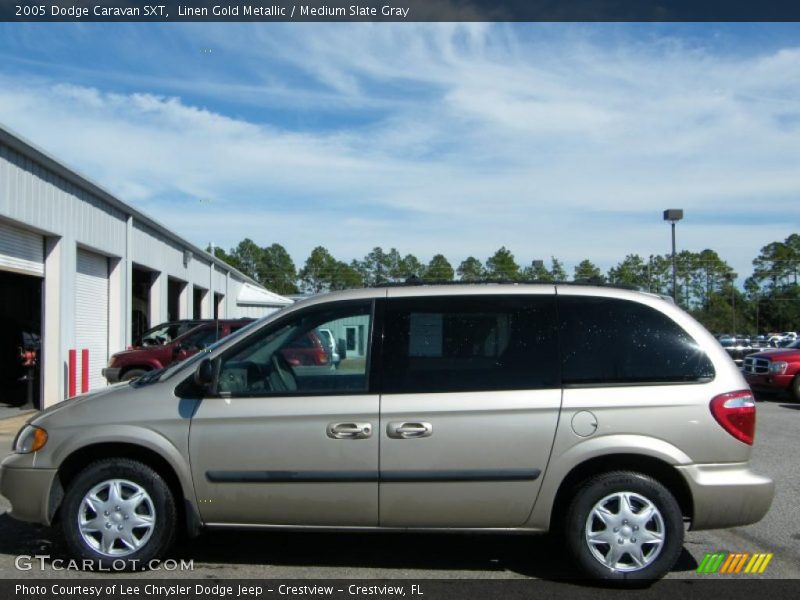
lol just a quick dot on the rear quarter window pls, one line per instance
(614, 341)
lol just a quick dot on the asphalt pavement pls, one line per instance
(252, 554)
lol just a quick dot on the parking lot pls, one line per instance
(377, 555)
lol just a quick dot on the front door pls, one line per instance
(469, 407)
(289, 437)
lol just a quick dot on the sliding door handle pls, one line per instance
(404, 430)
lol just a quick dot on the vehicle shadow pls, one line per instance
(538, 556)
(791, 406)
(523, 555)
(236, 553)
(18, 538)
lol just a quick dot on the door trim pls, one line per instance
(370, 476)
(461, 475)
(291, 476)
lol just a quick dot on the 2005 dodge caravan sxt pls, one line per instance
(609, 415)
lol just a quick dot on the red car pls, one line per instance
(307, 350)
(130, 364)
(776, 370)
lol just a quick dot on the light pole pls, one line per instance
(731, 277)
(758, 298)
(536, 265)
(673, 215)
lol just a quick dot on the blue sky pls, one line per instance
(563, 140)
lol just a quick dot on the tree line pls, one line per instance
(768, 301)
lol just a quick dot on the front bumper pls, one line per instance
(768, 383)
(727, 495)
(111, 374)
(28, 491)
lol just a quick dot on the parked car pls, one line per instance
(164, 333)
(136, 361)
(759, 342)
(608, 416)
(781, 340)
(307, 350)
(775, 370)
(737, 348)
(331, 345)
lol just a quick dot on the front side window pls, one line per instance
(293, 356)
(608, 340)
(470, 343)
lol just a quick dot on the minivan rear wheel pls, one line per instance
(625, 527)
(119, 513)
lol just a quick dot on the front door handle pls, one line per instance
(402, 430)
(349, 431)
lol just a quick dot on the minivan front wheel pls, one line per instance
(624, 526)
(119, 513)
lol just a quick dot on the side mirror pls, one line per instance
(204, 373)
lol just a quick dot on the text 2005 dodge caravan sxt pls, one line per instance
(609, 415)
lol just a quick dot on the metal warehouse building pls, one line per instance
(85, 271)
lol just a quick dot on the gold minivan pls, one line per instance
(609, 415)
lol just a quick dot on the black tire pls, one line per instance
(163, 504)
(795, 389)
(132, 374)
(604, 486)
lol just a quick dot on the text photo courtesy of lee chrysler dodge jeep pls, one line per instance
(608, 416)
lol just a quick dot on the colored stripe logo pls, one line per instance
(734, 562)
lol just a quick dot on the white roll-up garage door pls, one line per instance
(21, 251)
(91, 314)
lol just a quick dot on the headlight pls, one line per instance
(30, 439)
(778, 367)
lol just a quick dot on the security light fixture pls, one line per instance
(673, 215)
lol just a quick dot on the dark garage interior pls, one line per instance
(198, 295)
(140, 297)
(20, 329)
(174, 291)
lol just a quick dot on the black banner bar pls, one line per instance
(136, 588)
(400, 10)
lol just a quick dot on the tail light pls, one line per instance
(736, 412)
(320, 357)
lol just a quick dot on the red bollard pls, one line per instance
(84, 370)
(73, 359)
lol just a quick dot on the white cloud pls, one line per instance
(477, 136)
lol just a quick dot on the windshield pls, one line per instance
(195, 358)
(159, 336)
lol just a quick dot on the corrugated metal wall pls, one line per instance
(33, 195)
(255, 312)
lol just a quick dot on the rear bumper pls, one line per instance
(111, 374)
(727, 495)
(28, 491)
